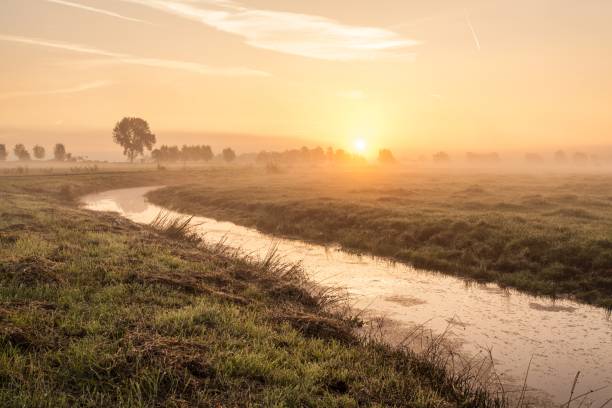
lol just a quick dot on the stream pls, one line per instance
(559, 337)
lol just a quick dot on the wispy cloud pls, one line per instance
(95, 10)
(290, 33)
(76, 89)
(136, 60)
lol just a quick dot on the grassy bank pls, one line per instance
(548, 234)
(98, 311)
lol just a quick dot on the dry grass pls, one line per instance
(176, 227)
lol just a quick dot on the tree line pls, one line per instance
(172, 154)
(39, 153)
(560, 157)
(317, 154)
(135, 136)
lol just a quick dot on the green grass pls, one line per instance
(98, 311)
(547, 234)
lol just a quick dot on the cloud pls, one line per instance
(115, 57)
(290, 33)
(95, 10)
(76, 89)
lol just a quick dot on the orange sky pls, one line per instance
(408, 75)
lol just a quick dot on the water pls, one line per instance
(562, 337)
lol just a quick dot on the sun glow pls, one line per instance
(360, 145)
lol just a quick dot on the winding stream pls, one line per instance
(562, 337)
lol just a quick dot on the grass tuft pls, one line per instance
(176, 227)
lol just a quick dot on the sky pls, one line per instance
(408, 75)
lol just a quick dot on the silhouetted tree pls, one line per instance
(21, 152)
(170, 153)
(317, 154)
(134, 135)
(441, 157)
(229, 155)
(385, 156)
(205, 153)
(341, 156)
(186, 153)
(3, 152)
(39, 152)
(59, 152)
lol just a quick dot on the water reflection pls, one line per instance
(562, 336)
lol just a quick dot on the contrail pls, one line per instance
(96, 10)
(474, 35)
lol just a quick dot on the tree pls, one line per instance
(206, 153)
(59, 152)
(39, 152)
(3, 152)
(196, 153)
(441, 157)
(21, 152)
(385, 156)
(134, 135)
(229, 155)
(341, 156)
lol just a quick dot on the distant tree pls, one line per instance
(21, 152)
(229, 155)
(205, 153)
(317, 154)
(167, 154)
(39, 152)
(3, 152)
(329, 153)
(134, 135)
(187, 153)
(59, 152)
(385, 156)
(341, 156)
(156, 155)
(441, 157)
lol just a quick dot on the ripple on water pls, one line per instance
(406, 301)
(552, 308)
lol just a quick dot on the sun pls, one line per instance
(360, 145)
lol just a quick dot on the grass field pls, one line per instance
(98, 311)
(542, 232)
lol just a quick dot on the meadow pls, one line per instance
(98, 311)
(543, 231)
